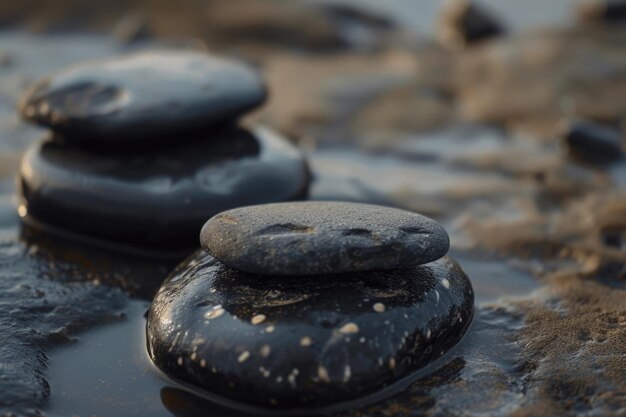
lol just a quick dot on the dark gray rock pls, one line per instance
(602, 11)
(157, 199)
(276, 342)
(148, 96)
(464, 23)
(310, 238)
(593, 143)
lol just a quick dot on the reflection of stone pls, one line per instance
(304, 341)
(157, 197)
(464, 22)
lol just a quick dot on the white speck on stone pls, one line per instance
(392, 363)
(428, 334)
(215, 312)
(445, 283)
(362, 340)
(349, 328)
(258, 319)
(379, 307)
(265, 351)
(347, 373)
(291, 378)
(202, 363)
(437, 295)
(180, 361)
(279, 379)
(265, 372)
(243, 357)
(269, 329)
(322, 374)
(306, 341)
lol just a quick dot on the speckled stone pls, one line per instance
(157, 198)
(142, 97)
(307, 342)
(310, 238)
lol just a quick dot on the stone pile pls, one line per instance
(145, 147)
(309, 305)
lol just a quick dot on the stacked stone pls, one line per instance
(310, 305)
(144, 147)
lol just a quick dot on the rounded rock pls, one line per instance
(464, 22)
(322, 340)
(157, 198)
(593, 143)
(309, 238)
(142, 97)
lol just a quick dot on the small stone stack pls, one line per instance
(310, 305)
(145, 147)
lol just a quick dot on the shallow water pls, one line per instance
(107, 371)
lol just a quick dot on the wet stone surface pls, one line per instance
(282, 342)
(308, 238)
(144, 97)
(160, 197)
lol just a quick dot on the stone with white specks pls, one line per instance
(308, 342)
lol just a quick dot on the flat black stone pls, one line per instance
(138, 98)
(313, 341)
(593, 143)
(157, 198)
(309, 238)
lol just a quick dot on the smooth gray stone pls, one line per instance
(143, 97)
(309, 238)
(276, 342)
(157, 199)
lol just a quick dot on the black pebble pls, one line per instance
(593, 143)
(308, 238)
(307, 342)
(157, 198)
